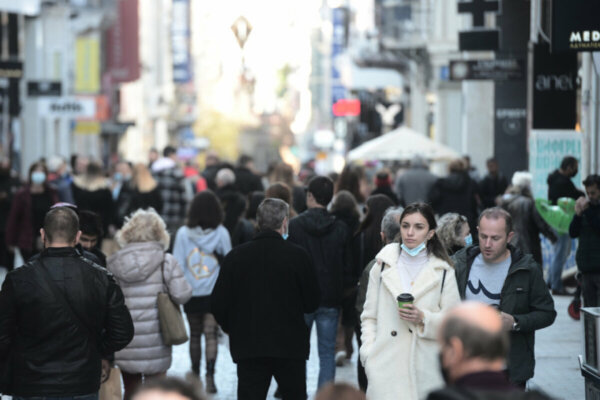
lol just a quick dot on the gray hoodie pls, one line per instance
(137, 269)
(196, 250)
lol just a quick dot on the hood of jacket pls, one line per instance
(91, 183)
(136, 261)
(317, 221)
(206, 239)
(455, 182)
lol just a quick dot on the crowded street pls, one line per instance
(283, 199)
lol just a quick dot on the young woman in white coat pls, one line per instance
(398, 349)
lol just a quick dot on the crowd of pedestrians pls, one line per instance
(386, 259)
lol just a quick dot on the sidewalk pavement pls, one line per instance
(557, 367)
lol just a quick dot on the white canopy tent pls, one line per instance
(402, 144)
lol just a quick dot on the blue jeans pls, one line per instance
(92, 396)
(562, 249)
(326, 320)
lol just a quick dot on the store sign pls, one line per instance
(11, 69)
(479, 38)
(554, 89)
(25, 7)
(338, 90)
(575, 25)
(44, 88)
(122, 44)
(547, 148)
(66, 107)
(87, 128)
(495, 70)
(180, 42)
(87, 65)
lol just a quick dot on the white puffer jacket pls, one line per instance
(137, 269)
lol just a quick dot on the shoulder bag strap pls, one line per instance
(442, 288)
(162, 273)
(59, 295)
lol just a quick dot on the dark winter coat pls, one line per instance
(525, 296)
(171, 184)
(52, 355)
(561, 186)
(527, 225)
(387, 191)
(8, 188)
(491, 187)
(586, 227)
(94, 195)
(145, 200)
(246, 181)
(328, 243)
(456, 193)
(263, 291)
(20, 231)
(123, 204)
(487, 385)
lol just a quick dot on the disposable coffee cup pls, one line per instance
(405, 298)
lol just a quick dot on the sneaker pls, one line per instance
(340, 358)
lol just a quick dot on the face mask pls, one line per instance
(468, 240)
(38, 177)
(118, 177)
(415, 251)
(285, 236)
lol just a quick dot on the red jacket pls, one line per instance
(19, 227)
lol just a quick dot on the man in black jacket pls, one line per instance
(246, 181)
(327, 242)
(586, 226)
(264, 289)
(561, 185)
(60, 315)
(500, 275)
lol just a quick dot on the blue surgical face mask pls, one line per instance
(285, 236)
(468, 240)
(38, 177)
(118, 177)
(415, 251)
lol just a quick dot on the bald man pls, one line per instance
(473, 353)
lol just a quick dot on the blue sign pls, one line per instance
(180, 42)
(338, 91)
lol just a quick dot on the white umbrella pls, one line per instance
(402, 144)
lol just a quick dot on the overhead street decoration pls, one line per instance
(479, 38)
(241, 29)
(495, 70)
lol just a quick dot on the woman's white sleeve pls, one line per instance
(448, 298)
(368, 317)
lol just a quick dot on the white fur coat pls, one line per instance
(401, 358)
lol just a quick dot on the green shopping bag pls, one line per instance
(558, 217)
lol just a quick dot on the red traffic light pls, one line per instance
(346, 108)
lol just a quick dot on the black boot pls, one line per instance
(210, 377)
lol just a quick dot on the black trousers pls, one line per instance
(590, 288)
(254, 378)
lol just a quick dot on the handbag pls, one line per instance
(171, 322)
(111, 389)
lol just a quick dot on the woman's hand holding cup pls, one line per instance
(407, 310)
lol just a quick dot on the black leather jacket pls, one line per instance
(51, 355)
